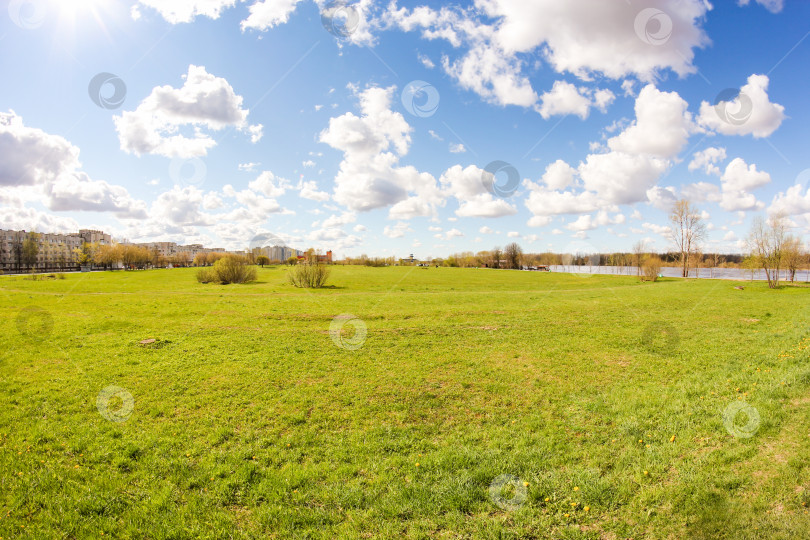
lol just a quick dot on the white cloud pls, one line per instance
(590, 36)
(588, 222)
(204, 101)
(662, 197)
(77, 192)
(180, 207)
(492, 75)
(621, 178)
(32, 156)
(740, 176)
(398, 230)
(774, 6)
(308, 163)
(467, 185)
(658, 229)
(372, 144)
(513, 234)
(427, 62)
(268, 184)
(750, 113)
(565, 98)
(339, 220)
(265, 14)
(38, 164)
(249, 167)
(738, 179)
(661, 128)
(707, 159)
(184, 11)
(485, 230)
(457, 148)
(30, 219)
(309, 190)
(453, 233)
(794, 201)
(559, 175)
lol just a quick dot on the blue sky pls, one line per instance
(245, 118)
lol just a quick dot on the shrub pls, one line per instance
(206, 275)
(309, 275)
(234, 269)
(650, 268)
(228, 269)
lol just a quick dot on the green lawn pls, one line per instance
(247, 420)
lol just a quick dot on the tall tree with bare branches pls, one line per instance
(767, 241)
(688, 231)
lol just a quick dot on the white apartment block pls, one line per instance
(56, 251)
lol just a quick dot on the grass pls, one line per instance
(244, 419)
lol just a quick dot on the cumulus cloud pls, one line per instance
(32, 156)
(398, 230)
(492, 75)
(30, 219)
(794, 201)
(468, 187)
(592, 36)
(749, 113)
(559, 175)
(184, 11)
(203, 102)
(565, 98)
(457, 148)
(370, 176)
(661, 128)
(309, 190)
(737, 181)
(266, 14)
(48, 165)
(582, 37)
(707, 160)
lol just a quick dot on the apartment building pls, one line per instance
(56, 251)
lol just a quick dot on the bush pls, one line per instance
(206, 275)
(650, 268)
(309, 275)
(228, 269)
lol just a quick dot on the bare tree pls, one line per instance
(717, 260)
(639, 248)
(766, 241)
(513, 254)
(688, 231)
(792, 255)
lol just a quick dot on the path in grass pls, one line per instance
(248, 420)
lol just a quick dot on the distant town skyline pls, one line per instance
(389, 129)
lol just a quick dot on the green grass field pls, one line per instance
(601, 397)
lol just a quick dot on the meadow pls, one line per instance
(403, 403)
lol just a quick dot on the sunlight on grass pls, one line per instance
(403, 402)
